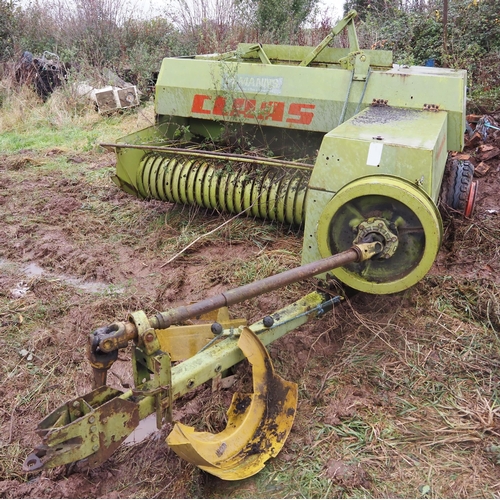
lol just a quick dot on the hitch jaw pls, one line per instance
(89, 428)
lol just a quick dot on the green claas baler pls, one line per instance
(338, 141)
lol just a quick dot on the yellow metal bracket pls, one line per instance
(257, 425)
(359, 62)
(347, 22)
(159, 386)
(146, 334)
(184, 341)
(90, 428)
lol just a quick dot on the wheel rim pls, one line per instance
(406, 208)
(471, 199)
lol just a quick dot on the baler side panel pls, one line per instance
(302, 98)
(284, 96)
(386, 140)
(415, 87)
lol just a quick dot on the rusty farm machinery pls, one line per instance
(356, 153)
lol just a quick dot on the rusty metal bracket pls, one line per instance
(431, 107)
(114, 336)
(89, 428)
(150, 392)
(379, 102)
(100, 361)
(102, 348)
(146, 335)
(153, 375)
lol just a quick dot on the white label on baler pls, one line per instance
(251, 83)
(374, 154)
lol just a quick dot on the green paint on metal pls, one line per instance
(350, 185)
(226, 353)
(347, 22)
(111, 415)
(324, 88)
(407, 143)
(410, 213)
(294, 55)
(91, 427)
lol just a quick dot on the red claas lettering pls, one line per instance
(198, 103)
(299, 115)
(276, 111)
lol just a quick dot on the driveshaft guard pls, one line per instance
(258, 423)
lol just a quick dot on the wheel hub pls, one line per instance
(377, 229)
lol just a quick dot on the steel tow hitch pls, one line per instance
(88, 428)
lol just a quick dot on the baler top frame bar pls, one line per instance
(305, 56)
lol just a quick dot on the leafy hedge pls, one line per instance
(107, 33)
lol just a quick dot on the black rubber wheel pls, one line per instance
(459, 185)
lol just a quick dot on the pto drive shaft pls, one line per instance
(107, 340)
(356, 253)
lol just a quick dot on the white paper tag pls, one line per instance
(374, 154)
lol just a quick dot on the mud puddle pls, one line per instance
(146, 428)
(33, 270)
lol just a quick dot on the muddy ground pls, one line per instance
(398, 395)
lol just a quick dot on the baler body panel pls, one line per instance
(407, 143)
(277, 96)
(304, 98)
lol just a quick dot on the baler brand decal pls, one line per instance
(276, 111)
(249, 83)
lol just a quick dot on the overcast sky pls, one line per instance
(153, 8)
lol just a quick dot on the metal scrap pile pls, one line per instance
(44, 73)
(47, 73)
(482, 144)
(117, 94)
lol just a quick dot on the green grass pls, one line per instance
(27, 124)
(46, 137)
